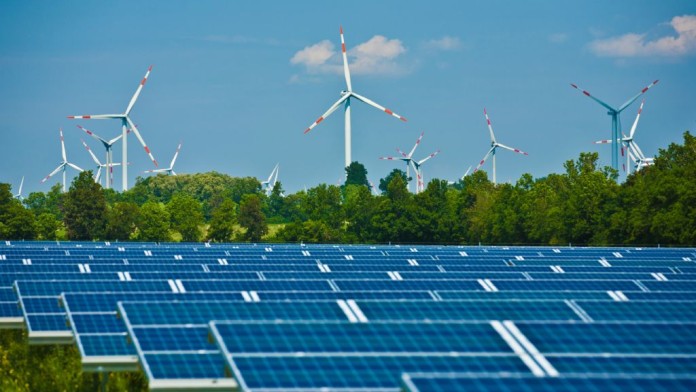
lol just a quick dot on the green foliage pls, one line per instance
(85, 209)
(121, 221)
(223, 222)
(384, 182)
(153, 222)
(53, 368)
(584, 205)
(356, 174)
(252, 218)
(186, 216)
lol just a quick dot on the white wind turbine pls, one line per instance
(494, 147)
(169, 170)
(108, 168)
(410, 162)
(407, 158)
(633, 152)
(19, 194)
(271, 181)
(108, 145)
(63, 164)
(126, 123)
(417, 165)
(345, 100)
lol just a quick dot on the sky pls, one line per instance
(238, 83)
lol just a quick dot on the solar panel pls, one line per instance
(280, 316)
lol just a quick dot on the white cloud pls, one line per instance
(315, 55)
(377, 56)
(637, 45)
(558, 38)
(446, 43)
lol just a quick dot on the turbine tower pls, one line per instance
(417, 166)
(109, 168)
(614, 113)
(63, 164)
(126, 123)
(109, 155)
(345, 100)
(169, 170)
(494, 147)
(633, 152)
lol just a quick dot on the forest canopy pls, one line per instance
(583, 205)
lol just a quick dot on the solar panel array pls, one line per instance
(317, 317)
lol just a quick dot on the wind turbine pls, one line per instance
(109, 154)
(19, 194)
(63, 164)
(633, 152)
(169, 170)
(467, 172)
(420, 184)
(271, 181)
(407, 158)
(615, 119)
(109, 168)
(494, 147)
(345, 100)
(125, 124)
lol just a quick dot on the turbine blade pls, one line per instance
(346, 71)
(62, 145)
(94, 157)
(483, 160)
(21, 184)
(53, 172)
(137, 92)
(428, 157)
(605, 141)
(176, 154)
(380, 107)
(74, 166)
(410, 154)
(403, 154)
(328, 112)
(643, 91)
(635, 123)
(96, 117)
(575, 86)
(142, 142)
(92, 134)
(467, 172)
(490, 127)
(511, 149)
(97, 177)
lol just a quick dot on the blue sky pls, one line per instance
(239, 82)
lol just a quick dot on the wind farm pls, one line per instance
(551, 250)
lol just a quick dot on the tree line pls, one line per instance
(584, 205)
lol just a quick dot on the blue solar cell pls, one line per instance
(346, 337)
(46, 322)
(185, 365)
(598, 337)
(629, 364)
(173, 338)
(672, 311)
(353, 372)
(10, 309)
(97, 323)
(566, 285)
(407, 285)
(105, 345)
(524, 383)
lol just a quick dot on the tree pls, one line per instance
(356, 174)
(251, 218)
(384, 182)
(121, 221)
(153, 223)
(16, 222)
(47, 226)
(222, 223)
(186, 216)
(85, 209)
